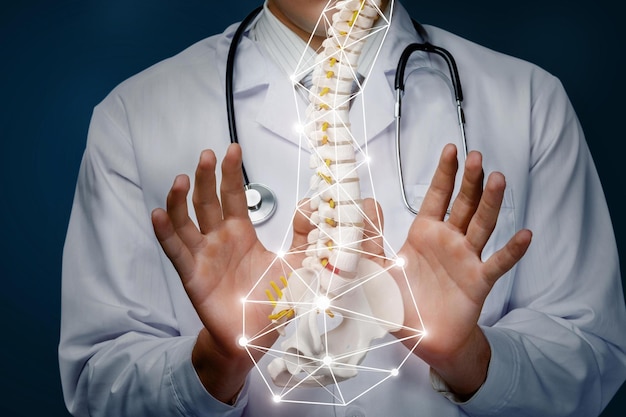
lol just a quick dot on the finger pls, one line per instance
(178, 213)
(504, 259)
(466, 202)
(172, 244)
(302, 226)
(232, 188)
(439, 193)
(374, 222)
(484, 219)
(205, 200)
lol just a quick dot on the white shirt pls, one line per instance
(289, 52)
(553, 322)
(286, 49)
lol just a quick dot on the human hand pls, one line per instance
(447, 276)
(220, 261)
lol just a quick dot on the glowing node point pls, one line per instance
(299, 128)
(243, 300)
(400, 262)
(243, 342)
(368, 159)
(394, 372)
(322, 302)
(327, 360)
(277, 398)
(280, 254)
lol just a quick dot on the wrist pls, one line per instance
(465, 370)
(222, 375)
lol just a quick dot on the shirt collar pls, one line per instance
(274, 109)
(287, 50)
(284, 47)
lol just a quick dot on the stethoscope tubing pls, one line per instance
(399, 83)
(230, 73)
(260, 198)
(264, 199)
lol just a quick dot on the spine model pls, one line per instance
(335, 283)
(335, 242)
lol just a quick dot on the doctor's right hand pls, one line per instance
(219, 261)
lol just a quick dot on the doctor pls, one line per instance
(514, 328)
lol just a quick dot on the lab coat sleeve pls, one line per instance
(121, 352)
(560, 348)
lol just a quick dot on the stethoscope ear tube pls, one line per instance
(427, 47)
(260, 198)
(230, 72)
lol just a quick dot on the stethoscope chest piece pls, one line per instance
(261, 202)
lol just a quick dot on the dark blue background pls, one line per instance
(60, 58)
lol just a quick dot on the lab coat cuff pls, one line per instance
(502, 376)
(191, 396)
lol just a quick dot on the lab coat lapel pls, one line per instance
(251, 67)
(281, 108)
(258, 79)
(372, 111)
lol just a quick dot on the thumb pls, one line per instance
(301, 226)
(373, 246)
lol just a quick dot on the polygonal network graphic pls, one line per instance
(340, 302)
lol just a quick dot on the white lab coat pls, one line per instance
(555, 323)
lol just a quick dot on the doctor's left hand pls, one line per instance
(219, 261)
(447, 275)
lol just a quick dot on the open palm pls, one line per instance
(445, 271)
(219, 261)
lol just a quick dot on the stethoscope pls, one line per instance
(260, 198)
(427, 47)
